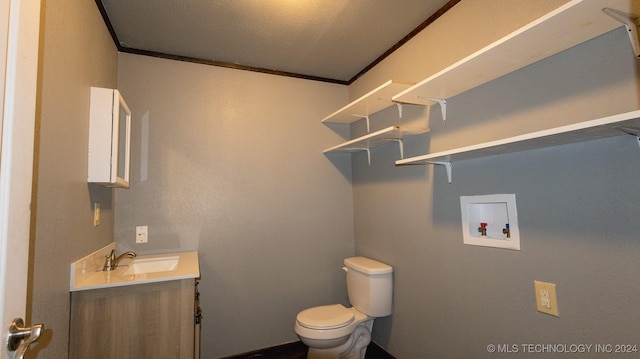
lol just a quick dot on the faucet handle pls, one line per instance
(107, 262)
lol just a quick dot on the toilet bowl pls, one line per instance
(336, 332)
(333, 331)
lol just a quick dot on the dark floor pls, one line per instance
(297, 350)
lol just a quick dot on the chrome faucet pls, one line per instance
(111, 261)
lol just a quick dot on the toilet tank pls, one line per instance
(369, 285)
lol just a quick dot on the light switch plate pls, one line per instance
(546, 299)
(96, 214)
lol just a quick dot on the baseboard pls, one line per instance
(377, 352)
(297, 348)
(282, 349)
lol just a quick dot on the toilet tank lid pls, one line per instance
(367, 265)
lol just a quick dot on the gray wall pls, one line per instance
(76, 53)
(235, 170)
(575, 203)
(577, 209)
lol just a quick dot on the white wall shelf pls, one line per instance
(376, 100)
(386, 135)
(571, 24)
(620, 124)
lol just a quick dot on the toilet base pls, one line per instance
(354, 348)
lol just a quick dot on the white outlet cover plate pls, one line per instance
(496, 210)
(142, 234)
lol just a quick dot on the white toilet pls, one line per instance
(336, 332)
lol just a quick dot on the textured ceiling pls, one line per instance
(334, 40)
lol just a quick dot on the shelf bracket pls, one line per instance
(447, 166)
(368, 153)
(365, 117)
(443, 105)
(400, 145)
(399, 106)
(633, 131)
(632, 25)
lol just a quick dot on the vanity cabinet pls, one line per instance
(154, 320)
(109, 138)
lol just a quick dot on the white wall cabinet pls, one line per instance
(109, 138)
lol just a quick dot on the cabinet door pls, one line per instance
(138, 321)
(109, 138)
(121, 141)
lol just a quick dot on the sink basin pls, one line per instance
(87, 273)
(152, 265)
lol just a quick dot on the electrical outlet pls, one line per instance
(142, 234)
(546, 300)
(96, 214)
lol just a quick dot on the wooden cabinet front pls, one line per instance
(153, 320)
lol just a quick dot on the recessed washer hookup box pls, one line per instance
(490, 221)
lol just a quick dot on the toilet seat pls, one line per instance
(325, 317)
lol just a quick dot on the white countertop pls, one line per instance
(87, 272)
